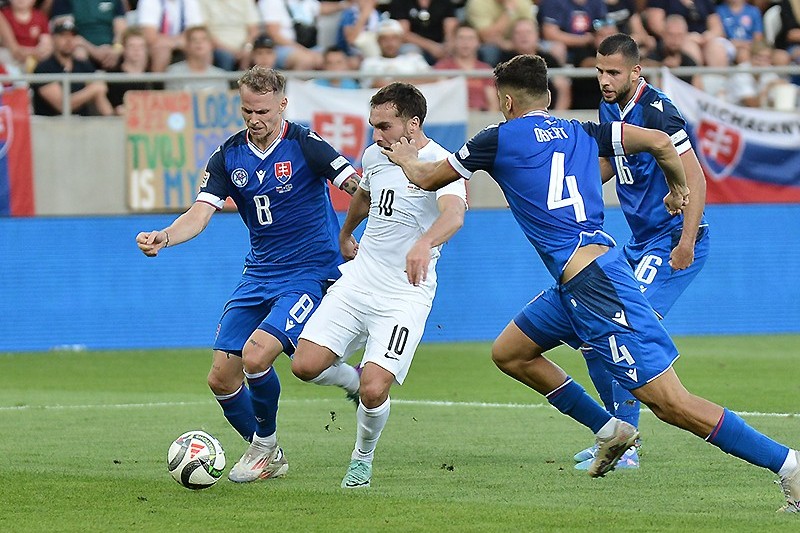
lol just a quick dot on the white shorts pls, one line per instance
(389, 328)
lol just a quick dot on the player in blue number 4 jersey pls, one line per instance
(547, 168)
(277, 172)
(665, 252)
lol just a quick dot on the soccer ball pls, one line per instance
(196, 460)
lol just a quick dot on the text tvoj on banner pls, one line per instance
(749, 155)
(169, 137)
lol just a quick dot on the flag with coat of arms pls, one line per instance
(749, 155)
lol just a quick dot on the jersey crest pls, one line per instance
(239, 177)
(283, 171)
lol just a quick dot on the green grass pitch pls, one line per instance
(84, 436)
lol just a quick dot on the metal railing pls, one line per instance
(67, 80)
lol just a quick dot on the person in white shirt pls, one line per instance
(391, 62)
(164, 23)
(383, 298)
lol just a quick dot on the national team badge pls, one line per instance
(721, 148)
(239, 177)
(283, 171)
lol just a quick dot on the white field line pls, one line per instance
(433, 403)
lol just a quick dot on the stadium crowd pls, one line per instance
(379, 39)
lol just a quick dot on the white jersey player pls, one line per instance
(385, 294)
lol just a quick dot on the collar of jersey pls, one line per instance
(636, 95)
(263, 154)
(537, 113)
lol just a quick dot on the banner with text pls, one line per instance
(341, 117)
(170, 136)
(16, 167)
(748, 155)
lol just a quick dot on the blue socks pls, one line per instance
(601, 377)
(265, 389)
(572, 400)
(238, 409)
(732, 435)
(627, 407)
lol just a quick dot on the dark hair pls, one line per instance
(619, 43)
(526, 73)
(406, 98)
(262, 80)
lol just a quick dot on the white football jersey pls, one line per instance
(399, 214)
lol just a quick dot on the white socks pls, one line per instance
(342, 375)
(370, 423)
(789, 464)
(607, 431)
(265, 442)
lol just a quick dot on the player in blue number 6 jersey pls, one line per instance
(547, 168)
(277, 173)
(665, 252)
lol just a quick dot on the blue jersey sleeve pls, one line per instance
(215, 180)
(608, 137)
(664, 116)
(478, 153)
(324, 160)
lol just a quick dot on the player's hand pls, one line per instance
(682, 256)
(151, 242)
(676, 201)
(349, 247)
(417, 261)
(401, 151)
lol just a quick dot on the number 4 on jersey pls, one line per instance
(555, 193)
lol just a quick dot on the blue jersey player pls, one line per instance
(548, 171)
(665, 252)
(277, 172)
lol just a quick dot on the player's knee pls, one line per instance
(302, 368)
(220, 384)
(373, 394)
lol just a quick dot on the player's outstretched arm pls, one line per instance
(430, 176)
(658, 143)
(449, 221)
(185, 227)
(356, 213)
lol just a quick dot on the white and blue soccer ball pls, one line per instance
(196, 460)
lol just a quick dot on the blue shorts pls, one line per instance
(661, 284)
(603, 307)
(280, 309)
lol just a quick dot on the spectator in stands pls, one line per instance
(525, 40)
(134, 60)
(706, 42)
(751, 89)
(85, 99)
(357, 33)
(263, 53)
(164, 23)
(742, 22)
(573, 23)
(669, 51)
(493, 19)
(383, 69)
(788, 38)
(233, 25)
(199, 63)
(100, 25)
(429, 25)
(586, 92)
(335, 60)
(482, 94)
(292, 24)
(625, 15)
(31, 41)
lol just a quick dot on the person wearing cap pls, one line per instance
(99, 24)
(262, 52)
(383, 69)
(86, 99)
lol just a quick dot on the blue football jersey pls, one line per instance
(282, 196)
(547, 168)
(641, 185)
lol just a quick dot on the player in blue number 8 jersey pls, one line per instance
(277, 172)
(547, 168)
